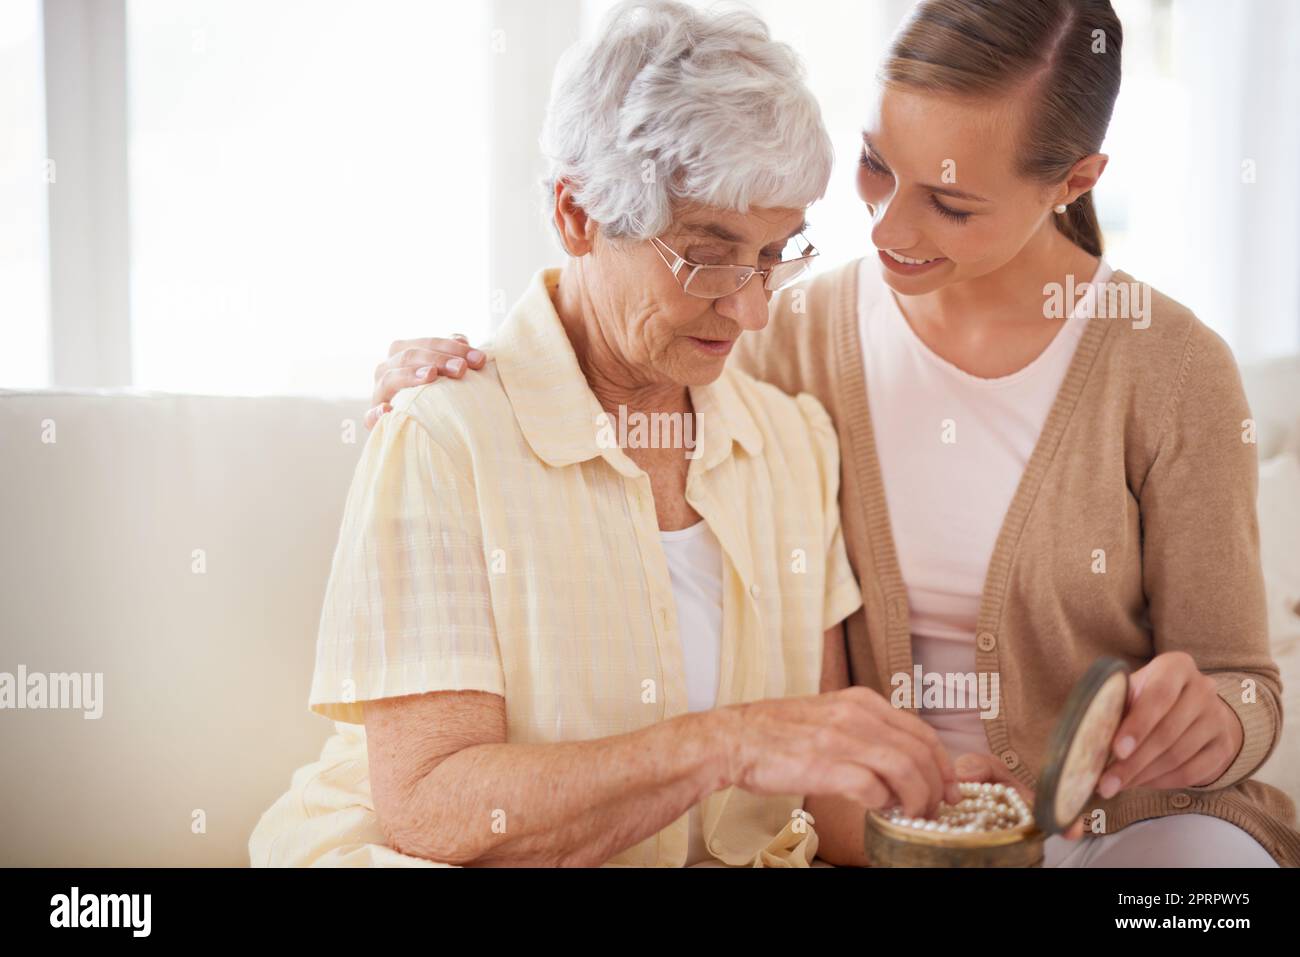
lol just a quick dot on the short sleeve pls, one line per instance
(843, 596)
(407, 607)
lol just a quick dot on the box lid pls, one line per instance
(1079, 748)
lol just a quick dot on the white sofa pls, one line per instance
(205, 675)
(180, 546)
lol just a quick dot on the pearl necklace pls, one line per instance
(983, 807)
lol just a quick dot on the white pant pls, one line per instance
(1179, 840)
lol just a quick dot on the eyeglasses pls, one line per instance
(713, 282)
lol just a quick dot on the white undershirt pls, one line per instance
(947, 500)
(695, 572)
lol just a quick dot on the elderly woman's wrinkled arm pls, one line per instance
(448, 788)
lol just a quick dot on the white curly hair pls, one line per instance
(671, 104)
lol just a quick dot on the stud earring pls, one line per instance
(1059, 208)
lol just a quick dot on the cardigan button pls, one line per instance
(1010, 759)
(1180, 800)
(755, 590)
(985, 641)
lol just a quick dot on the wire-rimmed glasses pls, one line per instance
(709, 281)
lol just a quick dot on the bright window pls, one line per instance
(24, 180)
(308, 183)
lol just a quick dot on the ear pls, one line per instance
(1082, 177)
(576, 229)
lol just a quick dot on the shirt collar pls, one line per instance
(560, 415)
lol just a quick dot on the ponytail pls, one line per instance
(1080, 226)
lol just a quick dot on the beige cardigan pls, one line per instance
(1142, 455)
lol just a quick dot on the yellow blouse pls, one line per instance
(494, 538)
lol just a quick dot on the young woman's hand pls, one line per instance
(985, 767)
(1178, 732)
(416, 361)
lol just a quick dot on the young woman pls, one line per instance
(1031, 479)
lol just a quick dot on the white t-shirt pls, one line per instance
(695, 572)
(952, 449)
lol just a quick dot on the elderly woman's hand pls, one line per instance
(416, 361)
(849, 743)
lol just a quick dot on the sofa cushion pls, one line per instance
(179, 545)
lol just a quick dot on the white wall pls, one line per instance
(381, 199)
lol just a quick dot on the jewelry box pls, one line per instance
(994, 828)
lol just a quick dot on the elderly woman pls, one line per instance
(546, 640)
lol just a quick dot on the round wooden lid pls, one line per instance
(1079, 747)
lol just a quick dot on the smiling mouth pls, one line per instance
(907, 260)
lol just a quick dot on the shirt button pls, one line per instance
(1010, 759)
(1180, 800)
(985, 641)
(755, 590)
